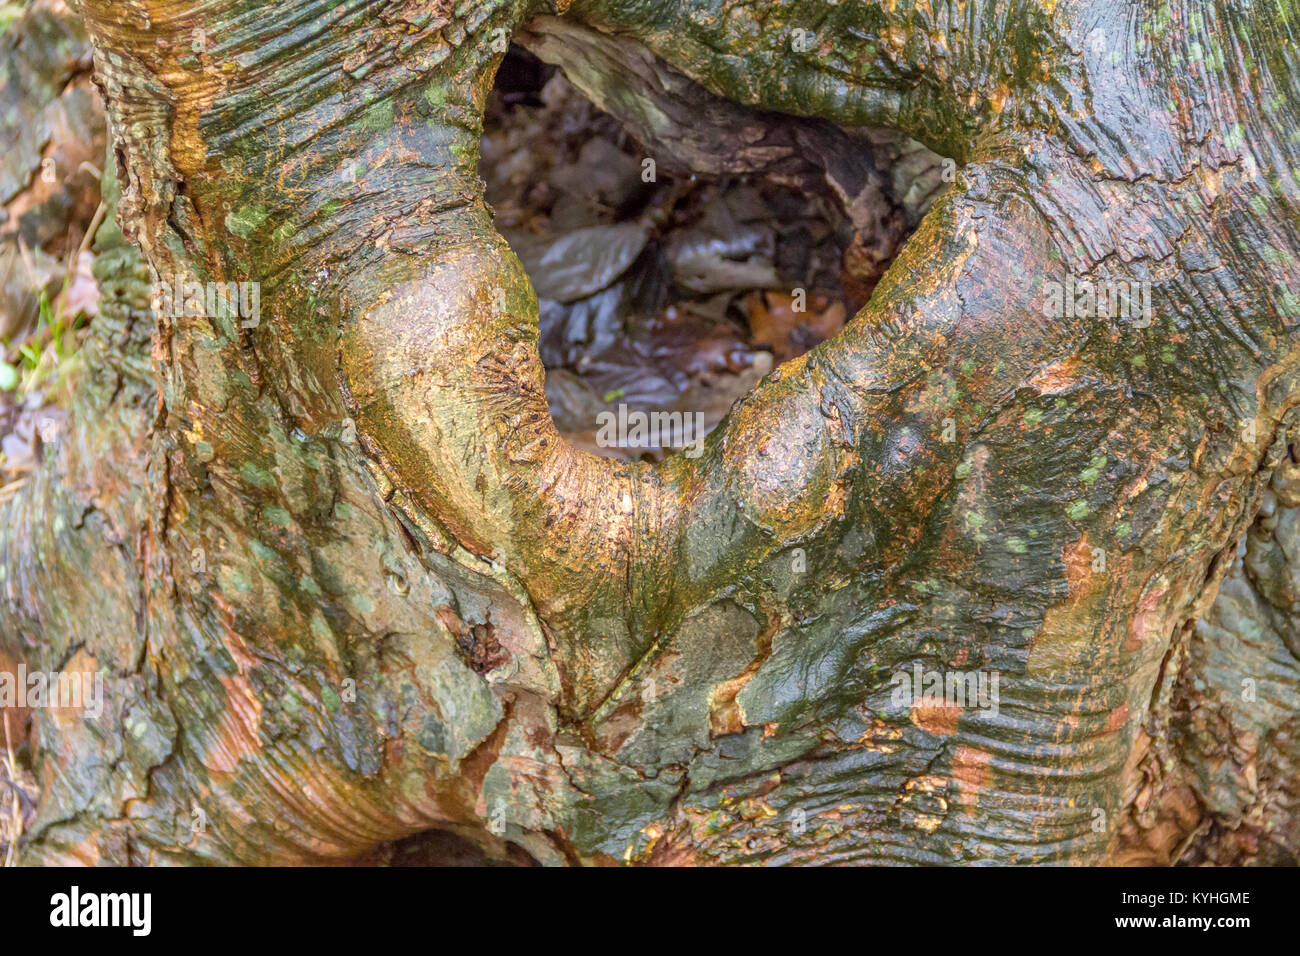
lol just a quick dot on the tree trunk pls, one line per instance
(346, 584)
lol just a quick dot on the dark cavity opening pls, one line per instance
(445, 848)
(666, 294)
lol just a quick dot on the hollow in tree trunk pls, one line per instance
(346, 584)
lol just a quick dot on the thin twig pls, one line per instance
(16, 831)
(88, 238)
(11, 489)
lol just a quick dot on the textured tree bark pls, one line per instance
(345, 582)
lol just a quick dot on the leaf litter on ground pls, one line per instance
(677, 294)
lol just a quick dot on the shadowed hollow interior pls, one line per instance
(666, 292)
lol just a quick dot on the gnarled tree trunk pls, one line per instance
(346, 583)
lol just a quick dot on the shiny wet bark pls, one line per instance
(350, 584)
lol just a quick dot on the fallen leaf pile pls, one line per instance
(676, 294)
